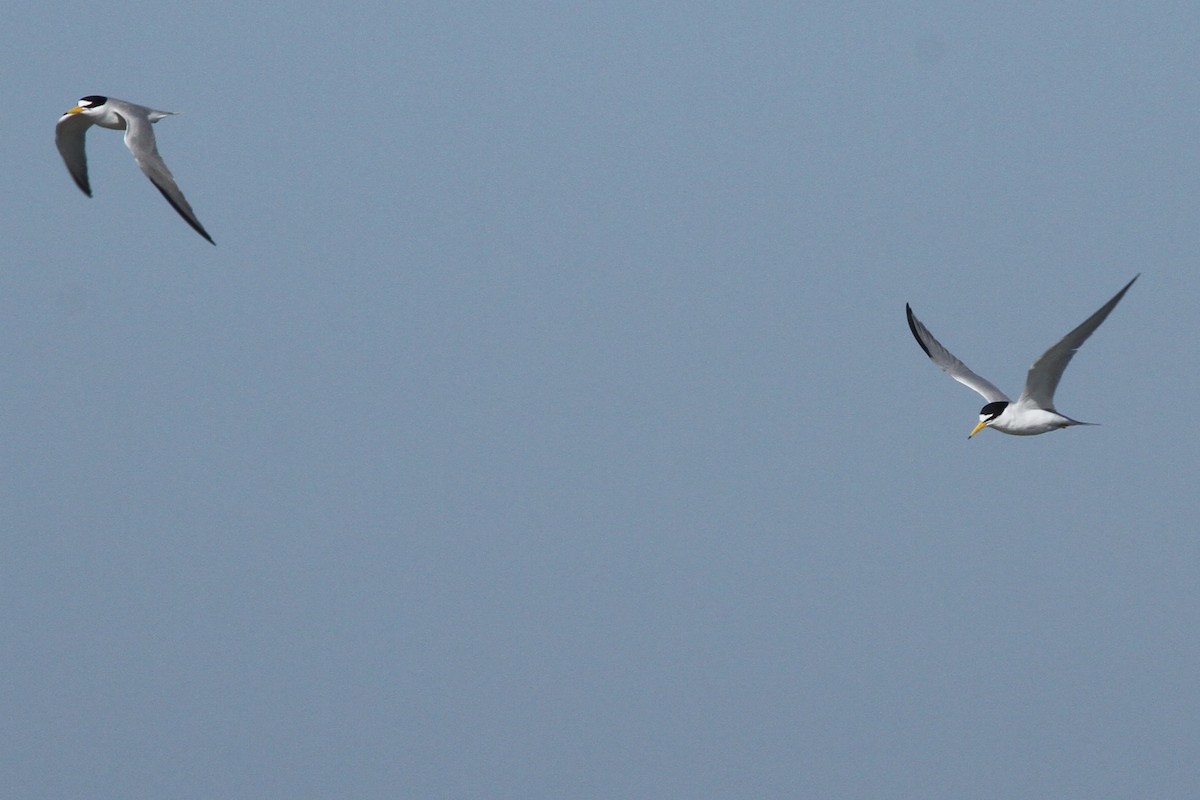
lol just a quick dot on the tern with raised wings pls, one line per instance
(1033, 412)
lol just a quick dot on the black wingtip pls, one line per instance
(196, 226)
(912, 326)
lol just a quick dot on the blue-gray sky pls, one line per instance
(545, 422)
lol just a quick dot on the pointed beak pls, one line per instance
(982, 424)
(75, 110)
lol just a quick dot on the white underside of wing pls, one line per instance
(949, 363)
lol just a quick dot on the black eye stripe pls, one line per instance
(93, 100)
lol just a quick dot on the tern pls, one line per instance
(1034, 411)
(136, 121)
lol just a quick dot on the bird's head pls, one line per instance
(89, 102)
(988, 415)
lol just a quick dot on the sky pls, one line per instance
(545, 422)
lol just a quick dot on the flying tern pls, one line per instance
(1034, 411)
(136, 121)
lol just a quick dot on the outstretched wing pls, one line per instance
(1044, 375)
(139, 138)
(949, 364)
(68, 136)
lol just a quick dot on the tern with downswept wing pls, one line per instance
(136, 121)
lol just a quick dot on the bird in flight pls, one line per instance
(136, 121)
(1034, 411)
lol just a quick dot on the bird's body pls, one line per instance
(1028, 420)
(1033, 412)
(136, 121)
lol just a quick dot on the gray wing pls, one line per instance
(139, 138)
(949, 364)
(68, 136)
(1045, 373)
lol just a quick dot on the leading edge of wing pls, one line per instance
(948, 363)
